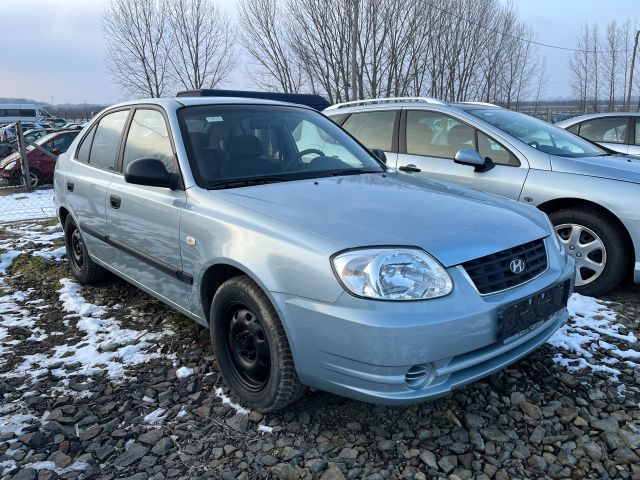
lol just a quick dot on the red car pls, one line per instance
(41, 166)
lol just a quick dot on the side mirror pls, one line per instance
(150, 172)
(380, 155)
(466, 156)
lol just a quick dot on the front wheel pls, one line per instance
(251, 347)
(597, 245)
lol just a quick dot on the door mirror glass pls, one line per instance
(150, 172)
(466, 156)
(380, 155)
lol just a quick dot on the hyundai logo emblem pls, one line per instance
(517, 265)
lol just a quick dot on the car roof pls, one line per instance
(395, 102)
(177, 102)
(581, 118)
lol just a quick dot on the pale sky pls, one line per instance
(54, 49)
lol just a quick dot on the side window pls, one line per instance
(64, 141)
(148, 138)
(574, 128)
(82, 154)
(607, 129)
(434, 134)
(105, 141)
(637, 131)
(372, 129)
(488, 147)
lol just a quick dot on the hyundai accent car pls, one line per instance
(588, 192)
(311, 262)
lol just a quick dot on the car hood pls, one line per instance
(615, 167)
(452, 223)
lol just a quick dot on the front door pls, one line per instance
(143, 222)
(429, 140)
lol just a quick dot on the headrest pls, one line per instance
(245, 146)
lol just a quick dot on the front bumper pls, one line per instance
(364, 349)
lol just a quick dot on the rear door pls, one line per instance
(88, 176)
(430, 140)
(143, 222)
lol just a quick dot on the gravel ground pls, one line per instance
(106, 382)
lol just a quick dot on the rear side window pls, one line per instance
(63, 141)
(105, 141)
(85, 146)
(372, 129)
(574, 128)
(148, 138)
(608, 129)
(637, 131)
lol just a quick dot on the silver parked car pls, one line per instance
(590, 195)
(311, 262)
(618, 131)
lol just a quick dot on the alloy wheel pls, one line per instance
(587, 248)
(77, 248)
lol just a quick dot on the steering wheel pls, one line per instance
(310, 150)
(534, 144)
(294, 164)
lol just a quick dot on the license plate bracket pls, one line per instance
(521, 316)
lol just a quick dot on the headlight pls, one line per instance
(392, 274)
(10, 165)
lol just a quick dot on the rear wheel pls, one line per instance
(597, 245)
(82, 267)
(251, 347)
(35, 178)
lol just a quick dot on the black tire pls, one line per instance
(243, 323)
(616, 251)
(82, 267)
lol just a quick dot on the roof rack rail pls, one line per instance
(484, 104)
(386, 100)
(314, 101)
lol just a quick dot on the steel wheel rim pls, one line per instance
(587, 248)
(247, 347)
(77, 250)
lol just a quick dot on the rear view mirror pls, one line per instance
(380, 155)
(150, 172)
(466, 156)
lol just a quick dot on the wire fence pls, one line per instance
(26, 177)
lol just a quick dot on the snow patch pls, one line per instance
(155, 417)
(227, 401)
(265, 428)
(184, 372)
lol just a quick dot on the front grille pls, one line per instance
(493, 273)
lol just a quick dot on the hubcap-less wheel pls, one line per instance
(77, 249)
(587, 248)
(248, 347)
(34, 179)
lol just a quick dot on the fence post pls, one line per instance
(23, 156)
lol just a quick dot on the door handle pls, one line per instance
(411, 168)
(115, 201)
(70, 186)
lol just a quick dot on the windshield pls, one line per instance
(278, 143)
(537, 133)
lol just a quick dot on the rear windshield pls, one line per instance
(282, 143)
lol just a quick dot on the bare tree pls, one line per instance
(265, 40)
(580, 66)
(610, 60)
(136, 31)
(542, 77)
(199, 46)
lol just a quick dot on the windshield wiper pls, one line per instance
(244, 182)
(351, 171)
